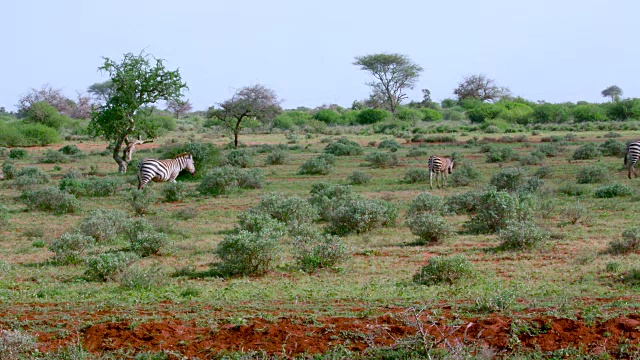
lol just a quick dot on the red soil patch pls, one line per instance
(295, 335)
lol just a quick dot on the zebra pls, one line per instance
(439, 165)
(631, 157)
(163, 170)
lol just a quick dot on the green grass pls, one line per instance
(557, 276)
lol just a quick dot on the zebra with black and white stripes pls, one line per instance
(440, 165)
(631, 157)
(163, 170)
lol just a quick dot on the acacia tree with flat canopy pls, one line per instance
(137, 84)
(394, 72)
(614, 92)
(251, 102)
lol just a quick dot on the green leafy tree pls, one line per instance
(101, 91)
(614, 92)
(248, 103)
(480, 87)
(394, 74)
(137, 84)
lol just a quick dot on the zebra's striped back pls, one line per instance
(163, 170)
(438, 164)
(631, 156)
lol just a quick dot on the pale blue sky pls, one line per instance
(562, 50)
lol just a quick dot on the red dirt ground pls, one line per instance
(296, 335)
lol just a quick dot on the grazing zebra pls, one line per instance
(440, 165)
(163, 170)
(633, 153)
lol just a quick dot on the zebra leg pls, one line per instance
(431, 179)
(140, 184)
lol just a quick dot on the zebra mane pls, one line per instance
(182, 155)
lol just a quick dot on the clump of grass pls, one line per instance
(359, 177)
(382, 160)
(521, 235)
(15, 344)
(319, 165)
(591, 174)
(70, 248)
(187, 213)
(50, 199)
(136, 277)
(277, 157)
(416, 175)
(223, 180)
(630, 242)
(108, 266)
(576, 212)
(444, 270)
(142, 201)
(613, 190)
(314, 250)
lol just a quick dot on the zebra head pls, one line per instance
(191, 167)
(450, 167)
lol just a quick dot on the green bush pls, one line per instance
(390, 144)
(54, 157)
(484, 112)
(417, 152)
(500, 154)
(496, 209)
(147, 243)
(344, 147)
(313, 250)
(550, 113)
(289, 210)
(360, 216)
(108, 266)
(591, 174)
(101, 187)
(543, 172)
(18, 153)
(326, 197)
(624, 109)
(163, 124)
(431, 114)
(70, 150)
(50, 199)
(44, 113)
(509, 179)
(70, 248)
(519, 235)
(382, 160)
(428, 227)
(205, 157)
(328, 116)
(630, 242)
(465, 203)
(138, 278)
(239, 158)
(372, 116)
(276, 158)
(316, 166)
(425, 203)
(142, 201)
(416, 175)
(586, 152)
(588, 112)
(255, 221)
(464, 175)
(174, 192)
(444, 269)
(358, 177)
(612, 147)
(408, 114)
(104, 225)
(573, 190)
(613, 190)
(24, 134)
(222, 180)
(453, 115)
(9, 170)
(249, 253)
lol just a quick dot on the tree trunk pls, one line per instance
(122, 165)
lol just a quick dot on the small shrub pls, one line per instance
(239, 158)
(276, 158)
(174, 192)
(495, 209)
(428, 227)
(630, 242)
(613, 267)
(255, 221)
(575, 212)
(613, 190)
(101, 187)
(586, 152)
(465, 174)
(534, 158)
(142, 201)
(382, 160)
(249, 253)
(138, 278)
(591, 174)
(50, 199)
(390, 144)
(425, 203)
(9, 170)
(54, 157)
(543, 172)
(4, 218)
(509, 179)
(344, 147)
(103, 225)
(358, 177)
(326, 197)
(70, 248)
(108, 266)
(501, 154)
(360, 216)
(186, 213)
(29, 176)
(315, 166)
(147, 243)
(613, 147)
(549, 149)
(70, 150)
(417, 152)
(465, 203)
(444, 269)
(15, 344)
(611, 135)
(416, 175)
(18, 153)
(519, 235)
(573, 190)
(289, 210)
(317, 251)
